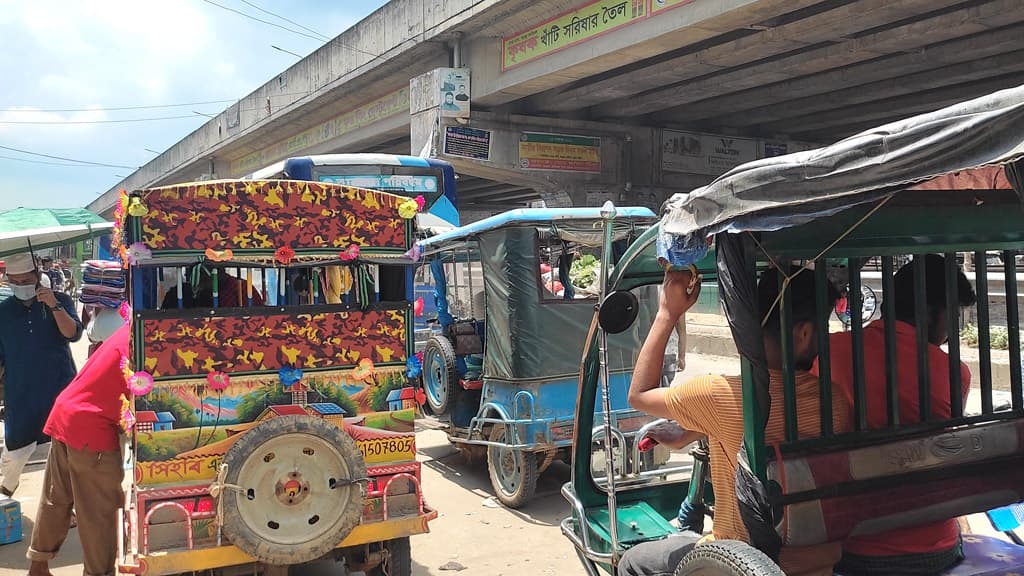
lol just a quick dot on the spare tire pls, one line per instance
(727, 558)
(297, 490)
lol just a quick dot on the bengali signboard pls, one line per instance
(569, 28)
(559, 152)
(379, 109)
(709, 154)
(467, 142)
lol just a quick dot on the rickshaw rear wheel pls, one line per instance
(399, 559)
(513, 472)
(727, 558)
(293, 490)
(440, 379)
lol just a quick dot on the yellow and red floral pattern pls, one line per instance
(267, 215)
(198, 346)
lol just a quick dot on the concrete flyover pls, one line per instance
(576, 101)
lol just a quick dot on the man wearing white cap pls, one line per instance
(36, 329)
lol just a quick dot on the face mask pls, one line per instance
(23, 292)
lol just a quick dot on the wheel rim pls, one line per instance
(508, 466)
(294, 489)
(436, 377)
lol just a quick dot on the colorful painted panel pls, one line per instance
(233, 344)
(205, 423)
(267, 215)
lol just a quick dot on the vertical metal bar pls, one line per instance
(263, 284)
(788, 375)
(281, 281)
(181, 296)
(824, 353)
(984, 334)
(608, 213)
(924, 394)
(856, 308)
(956, 393)
(216, 294)
(1013, 327)
(892, 389)
(316, 285)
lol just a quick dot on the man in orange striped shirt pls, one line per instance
(712, 406)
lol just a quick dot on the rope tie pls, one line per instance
(216, 490)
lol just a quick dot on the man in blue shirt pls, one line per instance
(37, 326)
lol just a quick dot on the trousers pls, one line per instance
(12, 464)
(658, 557)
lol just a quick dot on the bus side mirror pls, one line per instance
(618, 312)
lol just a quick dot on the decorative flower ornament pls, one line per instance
(418, 306)
(138, 252)
(140, 383)
(289, 375)
(127, 420)
(284, 255)
(219, 255)
(413, 367)
(136, 207)
(420, 202)
(421, 397)
(218, 381)
(363, 370)
(125, 311)
(408, 209)
(349, 254)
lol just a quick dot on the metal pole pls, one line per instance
(608, 213)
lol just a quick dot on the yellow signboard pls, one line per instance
(584, 23)
(388, 450)
(659, 5)
(379, 109)
(559, 152)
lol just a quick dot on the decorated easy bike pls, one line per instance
(822, 209)
(514, 296)
(272, 420)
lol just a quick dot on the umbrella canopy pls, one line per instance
(47, 227)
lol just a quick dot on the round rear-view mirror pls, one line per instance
(618, 312)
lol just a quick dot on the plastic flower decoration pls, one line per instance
(420, 202)
(421, 397)
(126, 368)
(127, 420)
(125, 310)
(413, 368)
(138, 252)
(289, 375)
(349, 254)
(218, 381)
(219, 255)
(418, 306)
(140, 383)
(136, 207)
(408, 209)
(284, 255)
(363, 370)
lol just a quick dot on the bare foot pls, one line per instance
(39, 569)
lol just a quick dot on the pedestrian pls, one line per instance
(37, 326)
(85, 468)
(55, 275)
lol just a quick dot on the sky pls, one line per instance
(68, 63)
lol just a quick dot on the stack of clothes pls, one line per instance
(102, 283)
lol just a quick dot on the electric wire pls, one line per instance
(52, 157)
(285, 19)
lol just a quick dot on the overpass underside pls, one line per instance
(658, 96)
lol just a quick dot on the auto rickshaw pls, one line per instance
(272, 419)
(514, 296)
(843, 204)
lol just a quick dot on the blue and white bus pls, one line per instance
(404, 175)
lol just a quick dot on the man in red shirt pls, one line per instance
(85, 469)
(929, 548)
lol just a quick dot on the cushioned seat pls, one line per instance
(988, 556)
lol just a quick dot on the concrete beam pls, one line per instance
(822, 26)
(910, 36)
(896, 66)
(838, 101)
(682, 26)
(876, 113)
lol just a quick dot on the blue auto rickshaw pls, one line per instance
(515, 295)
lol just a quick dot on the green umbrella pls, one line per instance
(25, 229)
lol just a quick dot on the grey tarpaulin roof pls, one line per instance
(787, 190)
